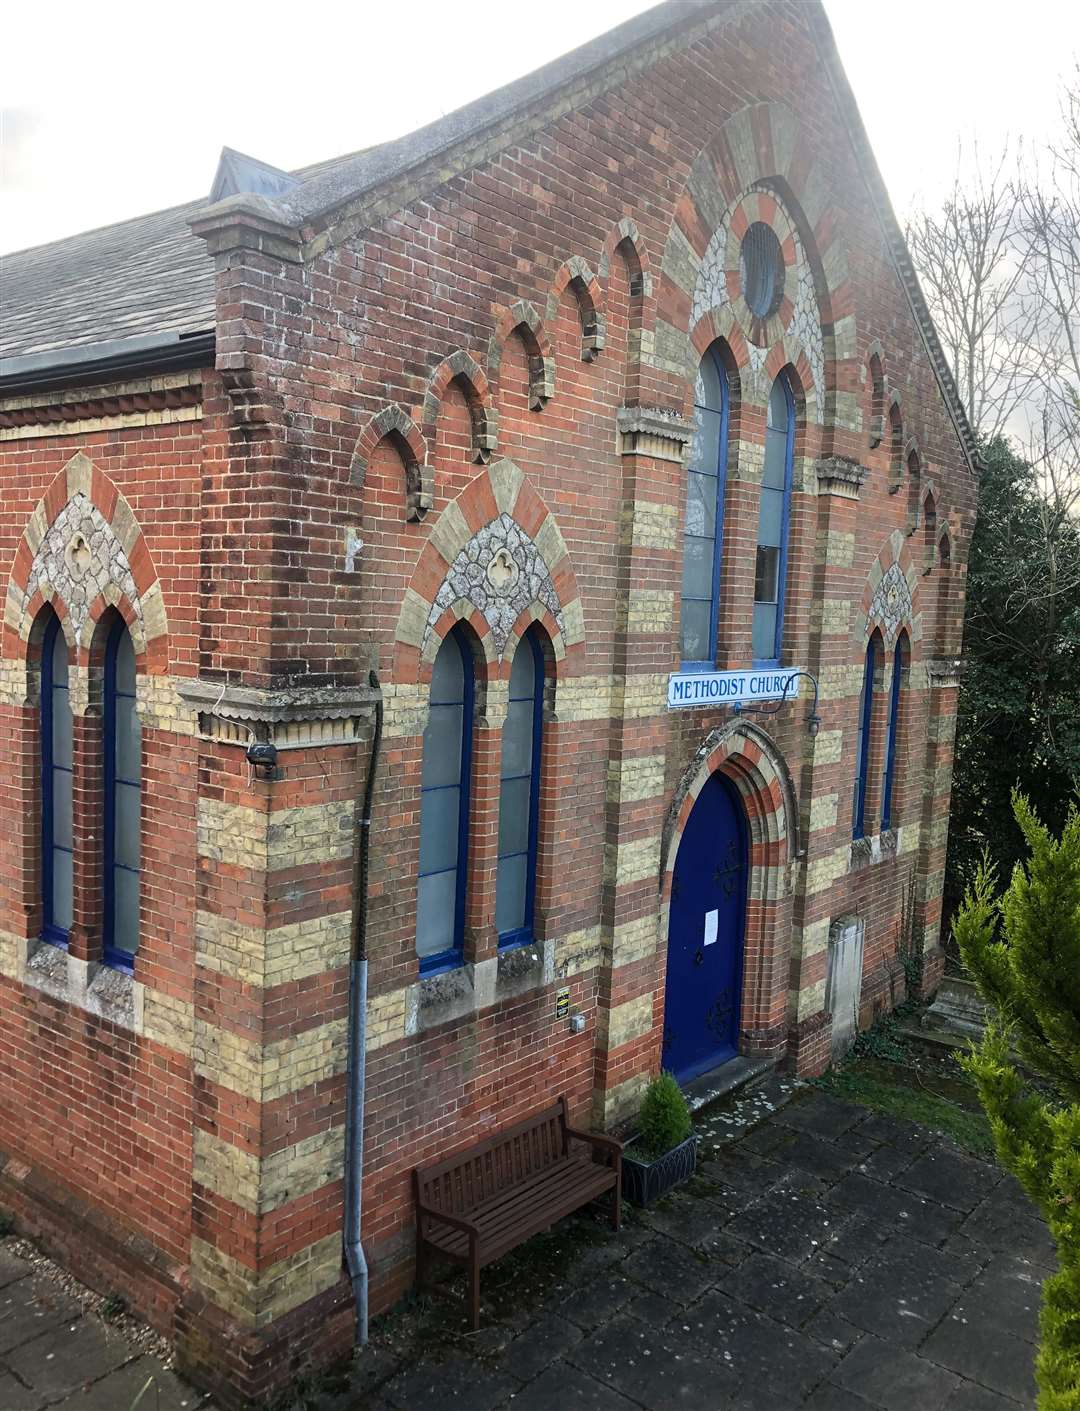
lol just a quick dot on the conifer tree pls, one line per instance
(1023, 952)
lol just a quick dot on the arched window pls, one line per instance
(703, 537)
(123, 801)
(56, 780)
(770, 569)
(519, 795)
(899, 664)
(862, 750)
(444, 807)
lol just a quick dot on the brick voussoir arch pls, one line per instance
(574, 274)
(462, 368)
(83, 548)
(393, 423)
(499, 511)
(522, 318)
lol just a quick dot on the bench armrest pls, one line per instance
(456, 1222)
(611, 1144)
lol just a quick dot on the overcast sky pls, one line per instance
(129, 112)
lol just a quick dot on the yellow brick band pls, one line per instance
(625, 1022)
(256, 1299)
(633, 940)
(630, 780)
(264, 1074)
(613, 1105)
(276, 956)
(261, 1186)
(650, 610)
(579, 951)
(644, 524)
(268, 842)
(632, 862)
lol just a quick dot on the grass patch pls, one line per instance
(902, 1092)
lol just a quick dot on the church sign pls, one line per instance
(696, 688)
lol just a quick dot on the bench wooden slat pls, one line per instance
(508, 1188)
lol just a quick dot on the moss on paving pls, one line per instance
(946, 1104)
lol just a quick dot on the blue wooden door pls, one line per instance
(705, 935)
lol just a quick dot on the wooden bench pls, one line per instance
(484, 1202)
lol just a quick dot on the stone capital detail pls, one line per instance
(290, 718)
(943, 672)
(653, 431)
(838, 475)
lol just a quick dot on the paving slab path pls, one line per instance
(825, 1258)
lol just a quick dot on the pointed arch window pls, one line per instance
(703, 535)
(862, 748)
(519, 795)
(56, 787)
(770, 567)
(444, 807)
(898, 667)
(123, 801)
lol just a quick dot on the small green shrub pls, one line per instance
(113, 1306)
(664, 1120)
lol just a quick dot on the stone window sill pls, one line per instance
(468, 989)
(96, 989)
(882, 847)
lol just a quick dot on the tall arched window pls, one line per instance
(862, 750)
(703, 538)
(898, 667)
(56, 780)
(519, 795)
(770, 568)
(123, 801)
(444, 807)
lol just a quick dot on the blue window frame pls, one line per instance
(57, 856)
(123, 802)
(770, 565)
(519, 795)
(894, 721)
(866, 708)
(704, 531)
(444, 807)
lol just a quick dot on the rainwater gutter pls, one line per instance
(355, 1259)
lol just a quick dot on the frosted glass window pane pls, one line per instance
(442, 746)
(59, 663)
(766, 574)
(775, 473)
(698, 567)
(764, 641)
(708, 390)
(440, 812)
(128, 739)
(61, 799)
(510, 894)
(778, 408)
(514, 815)
(695, 631)
(436, 912)
(771, 518)
(61, 889)
(125, 910)
(125, 664)
(126, 826)
(448, 674)
(701, 505)
(517, 738)
(523, 673)
(61, 729)
(705, 447)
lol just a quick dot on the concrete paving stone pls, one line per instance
(788, 1224)
(1007, 1295)
(458, 1383)
(830, 1397)
(649, 1307)
(950, 1179)
(15, 1397)
(783, 1291)
(987, 1355)
(654, 1368)
(32, 1307)
(746, 1176)
(896, 1301)
(538, 1346)
(885, 1163)
(766, 1139)
(853, 1241)
(600, 1299)
(834, 1331)
(694, 1220)
(565, 1386)
(371, 1366)
(762, 1352)
(672, 1270)
(1005, 1228)
(897, 1131)
(77, 1355)
(970, 1397)
(821, 1115)
(823, 1159)
(12, 1268)
(894, 1380)
(118, 1390)
(896, 1211)
(968, 1255)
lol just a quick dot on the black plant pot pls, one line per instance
(646, 1181)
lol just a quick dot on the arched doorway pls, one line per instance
(705, 933)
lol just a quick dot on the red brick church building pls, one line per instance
(577, 487)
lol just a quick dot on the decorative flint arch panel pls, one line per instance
(83, 551)
(761, 166)
(497, 559)
(890, 598)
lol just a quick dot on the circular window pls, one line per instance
(761, 269)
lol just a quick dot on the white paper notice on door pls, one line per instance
(712, 922)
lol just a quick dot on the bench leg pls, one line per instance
(617, 1212)
(474, 1293)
